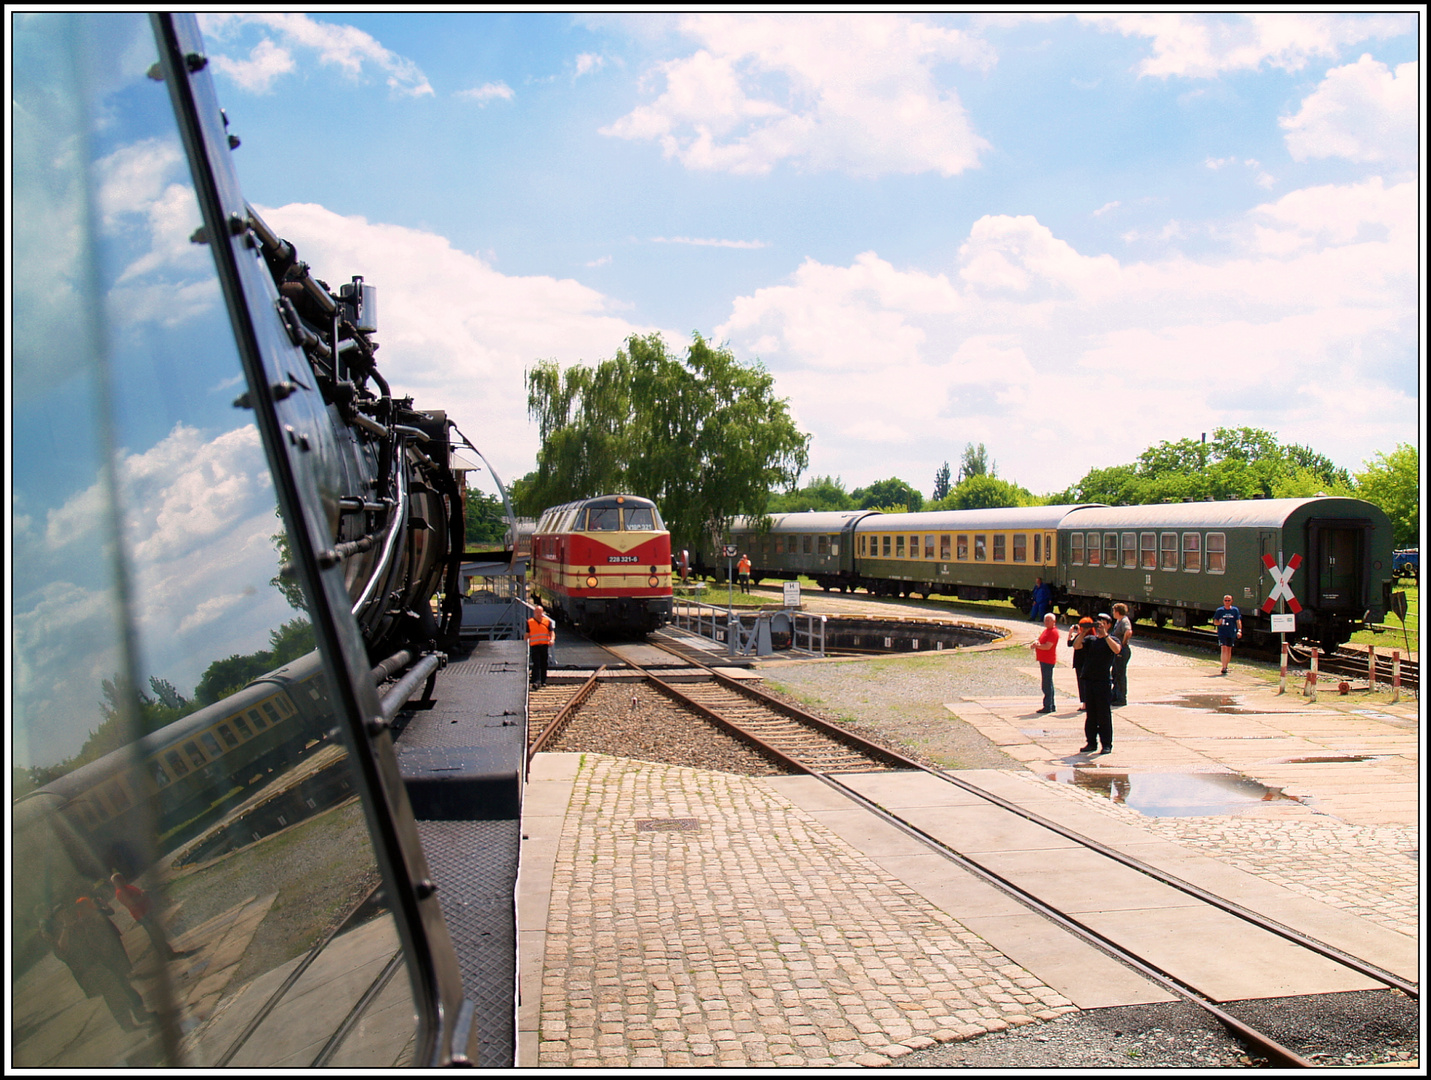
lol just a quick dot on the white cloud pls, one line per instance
(1206, 45)
(456, 333)
(1023, 342)
(198, 515)
(849, 93)
(282, 35)
(587, 63)
(487, 92)
(747, 244)
(1362, 111)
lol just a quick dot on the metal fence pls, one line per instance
(751, 633)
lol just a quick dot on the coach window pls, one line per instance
(228, 735)
(884, 546)
(1192, 552)
(929, 548)
(242, 725)
(1130, 551)
(822, 545)
(1000, 547)
(944, 548)
(273, 716)
(963, 549)
(211, 744)
(176, 763)
(780, 545)
(256, 720)
(899, 546)
(980, 548)
(1075, 548)
(1110, 549)
(1170, 551)
(914, 547)
(1021, 547)
(1095, 549)
(1148, 545)
(1216, 553)
(161, 778)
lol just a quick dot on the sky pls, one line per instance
(1064, 237)
(1067, 237)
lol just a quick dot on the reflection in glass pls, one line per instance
(184, 830)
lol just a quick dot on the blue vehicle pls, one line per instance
(1406, 564)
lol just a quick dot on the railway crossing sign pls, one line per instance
(1282, 590)
(728, 550)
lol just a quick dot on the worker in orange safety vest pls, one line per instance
(540, 636)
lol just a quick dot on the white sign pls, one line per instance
(1284, 624)
(728, 550)
(792, 594)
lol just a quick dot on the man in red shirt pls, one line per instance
(1046, 652)
(136, 902)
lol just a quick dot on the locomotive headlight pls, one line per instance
(653, 581)
(591, 581)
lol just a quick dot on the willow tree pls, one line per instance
(703, 435)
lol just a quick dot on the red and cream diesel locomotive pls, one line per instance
(604, 564)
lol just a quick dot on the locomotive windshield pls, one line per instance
(603, 519)
(641, 518)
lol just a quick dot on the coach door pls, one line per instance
(1339, 563)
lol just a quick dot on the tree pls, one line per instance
(986, 493)
(975, 462)
(1393, 482)
(888, 495)
(483, 514)
(822, 493)
(703, 436)
(1238, 463)
(941, 482)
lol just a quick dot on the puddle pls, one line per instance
(1219, 703)
(1173, 794)
(1329, 758)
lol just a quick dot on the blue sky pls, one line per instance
(933, 229)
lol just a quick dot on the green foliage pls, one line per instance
(293, 639)
(286, 583)
(975, 462)
(1393, 482)
(1237, 463)
(483, 514)
(942, 482)
(888, 495)
(822, 493)
(703, 436)
(984, 492)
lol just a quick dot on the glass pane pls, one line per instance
(185, 814)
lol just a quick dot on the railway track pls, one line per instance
(838, 758)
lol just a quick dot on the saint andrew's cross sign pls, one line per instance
(1282, 577)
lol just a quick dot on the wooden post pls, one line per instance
(1371, 665)
(1395, 675)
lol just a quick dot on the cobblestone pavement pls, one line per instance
(754, 938)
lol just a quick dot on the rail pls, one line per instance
(745, 633)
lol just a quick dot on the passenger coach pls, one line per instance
(1175, 562)
(604, 564)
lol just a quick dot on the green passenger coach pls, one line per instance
(1175, 562)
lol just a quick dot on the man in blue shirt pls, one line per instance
(1228, 620)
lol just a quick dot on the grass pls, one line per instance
(1392, 637)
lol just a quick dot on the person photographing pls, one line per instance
(1099, 651)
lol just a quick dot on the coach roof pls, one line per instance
(999, 519)
(1230, 514)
